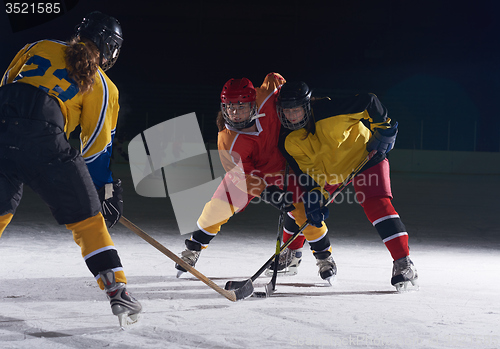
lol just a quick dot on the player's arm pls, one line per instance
(312, 183)
(376, 112)
(368, 109)
(235, 155)
(242, 173)
(383, 133)
(270, 86)
(98, 122)
(300, 163)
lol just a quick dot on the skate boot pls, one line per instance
(327, 266)
(190, 255)
(404, 272)
(122, 303)
(288, 263)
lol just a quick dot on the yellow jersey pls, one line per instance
(42, 64)
(337, 143)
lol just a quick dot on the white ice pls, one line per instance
(50, 300)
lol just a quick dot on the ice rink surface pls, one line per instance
(50, 300)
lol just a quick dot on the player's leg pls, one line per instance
(4, 221)
(53, 169)
(11, 188)
(73, 200)
(11, 191)
(373, 191)
(215, 210)
(291, 257)
(226, 201)
(319, 243)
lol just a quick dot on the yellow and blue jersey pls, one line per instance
(337, 143)
(42, 64)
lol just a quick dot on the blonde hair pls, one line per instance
(82, 61)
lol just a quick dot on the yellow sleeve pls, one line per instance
(99, 116)
(98, 122)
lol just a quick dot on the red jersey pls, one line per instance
(255, 154)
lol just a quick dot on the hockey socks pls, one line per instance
(202, 237)
(4, 222)
(391, 229)
(290, 228)
(97, 247)
(297, 243)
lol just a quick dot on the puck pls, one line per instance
(260, 294)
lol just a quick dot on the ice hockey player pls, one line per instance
(50, 88)
(247, 142)
(323, 142)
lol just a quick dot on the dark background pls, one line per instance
(432, 63)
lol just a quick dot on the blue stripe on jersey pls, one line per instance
(106, 149)
(98, 166)
(102, 115)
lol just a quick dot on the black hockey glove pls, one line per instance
(316, 213)
(111, 202)
(275, 196)
(383, 139)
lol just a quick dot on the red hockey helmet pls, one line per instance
(237, 92)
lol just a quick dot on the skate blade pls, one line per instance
(285, 272)
(407, 286)
(179, 273)
(330, 280)
(127, 320)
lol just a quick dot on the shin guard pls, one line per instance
(391, 229)
(4, 222)
(290, 228)
(98, 249)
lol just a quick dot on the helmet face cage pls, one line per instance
(106, 33)
(110, 50)
(235, 94)
(294, 95)
(241, 124)
(304, 103)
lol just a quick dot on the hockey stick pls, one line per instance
(271, 286)
(241, 293)
(235, 285)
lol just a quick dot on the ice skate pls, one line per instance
(123, 305)
(327, 266)
(403, 273)
(288, 264)
(190, 255)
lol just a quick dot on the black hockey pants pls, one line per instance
(34, 150)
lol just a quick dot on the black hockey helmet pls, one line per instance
(106, 33)
(293, 95)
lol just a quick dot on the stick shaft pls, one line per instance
(228, 294)
(272, 285)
